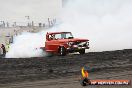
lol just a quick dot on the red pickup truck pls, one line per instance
(62, 43)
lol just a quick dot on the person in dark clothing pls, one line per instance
(3, 49)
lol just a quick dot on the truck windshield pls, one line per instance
(64, 36)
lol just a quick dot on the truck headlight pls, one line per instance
(70, 43)
(87, 43)
(84, 44)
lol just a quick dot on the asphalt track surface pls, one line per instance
(64, 71)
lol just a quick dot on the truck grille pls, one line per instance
(81, 44)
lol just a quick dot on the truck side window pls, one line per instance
(58, 36)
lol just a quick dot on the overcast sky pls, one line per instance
(16, 10)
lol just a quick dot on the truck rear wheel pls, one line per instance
(62, 51)
(82, 51)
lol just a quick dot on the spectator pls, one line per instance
(3, 49)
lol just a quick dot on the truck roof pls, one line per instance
(57, 32)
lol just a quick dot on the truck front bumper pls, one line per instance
(76, 48)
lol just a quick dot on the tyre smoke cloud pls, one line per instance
(106, 23)
(26, 45)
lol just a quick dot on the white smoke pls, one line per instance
(26, 45)
(106, 23)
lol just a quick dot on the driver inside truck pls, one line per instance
(52, 37)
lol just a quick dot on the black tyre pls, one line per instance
(82, 51)
(62, 51)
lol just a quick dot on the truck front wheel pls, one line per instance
(62, 51)
(82, 51)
